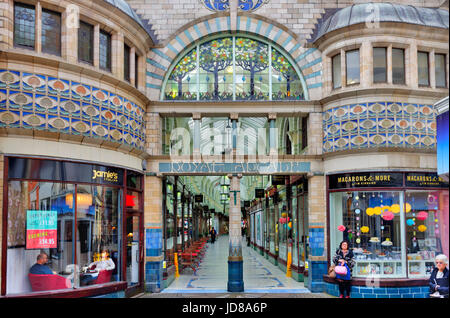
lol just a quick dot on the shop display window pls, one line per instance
(73, 225)
(392, 233)
(370, 221)
(283, 220)
(426, 229)
(170, 226)
(272, 230)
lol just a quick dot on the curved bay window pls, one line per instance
(64, 225)
(234, 68)
(395, 231)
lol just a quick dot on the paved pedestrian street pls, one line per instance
(261, 278)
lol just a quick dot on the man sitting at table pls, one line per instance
(105, 263)
(41, 268)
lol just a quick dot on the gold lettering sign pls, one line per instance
(425, 179)
(105, 175)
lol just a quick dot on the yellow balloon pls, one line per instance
(377, 210)
(283, 215)
(407, 207)
(369, 211)
(395, 208)
(422, 228)
(365, 229)
(386, 208)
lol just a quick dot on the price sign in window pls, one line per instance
(41, 229)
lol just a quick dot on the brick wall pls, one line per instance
(6, 36)
(299, 16)
(153, 135)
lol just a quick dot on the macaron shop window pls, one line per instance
(392, 233)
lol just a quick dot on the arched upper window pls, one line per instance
(234, 68)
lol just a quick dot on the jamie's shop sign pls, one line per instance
(385, 179)
(40, 169)
(41, 229)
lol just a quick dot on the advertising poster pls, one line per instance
(41, 229)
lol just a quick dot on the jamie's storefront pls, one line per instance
(76, 213)
(396, 223)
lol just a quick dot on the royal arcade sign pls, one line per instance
(202, 168)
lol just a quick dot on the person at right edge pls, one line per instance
(344, 257)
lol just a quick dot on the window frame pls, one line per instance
(428, 69)
(346, 67)
(91, 51)
(136, 70)
(52, 12)
(126, 62)
(333, 79)
(444, 70)
(29, 6)
(385, 80)
(271, 45)
(108, 66)
(403, 66)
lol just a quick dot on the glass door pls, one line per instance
(134, 250)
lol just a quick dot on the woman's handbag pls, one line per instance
(341, 270)
(331, 271)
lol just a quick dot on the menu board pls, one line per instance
(41, 229)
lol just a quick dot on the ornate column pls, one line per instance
(235, 261)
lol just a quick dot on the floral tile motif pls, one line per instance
(379, 124)
(35, 101)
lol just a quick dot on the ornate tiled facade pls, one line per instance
(380, 124)
(35, 101)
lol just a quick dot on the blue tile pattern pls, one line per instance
(379, 124)
(40, 102)
(380, 292)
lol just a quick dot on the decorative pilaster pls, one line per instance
(153, 223)
(317, 258)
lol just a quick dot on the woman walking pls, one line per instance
(344, 257)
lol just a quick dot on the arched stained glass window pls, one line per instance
(234, 68)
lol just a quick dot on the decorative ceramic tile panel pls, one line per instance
(34, 101)
(379, 124)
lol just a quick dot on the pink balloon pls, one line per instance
(422, 215)
(341, 228)
(387, 215)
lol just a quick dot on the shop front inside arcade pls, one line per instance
(84, 219)
(278, 218)
(396, 223)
